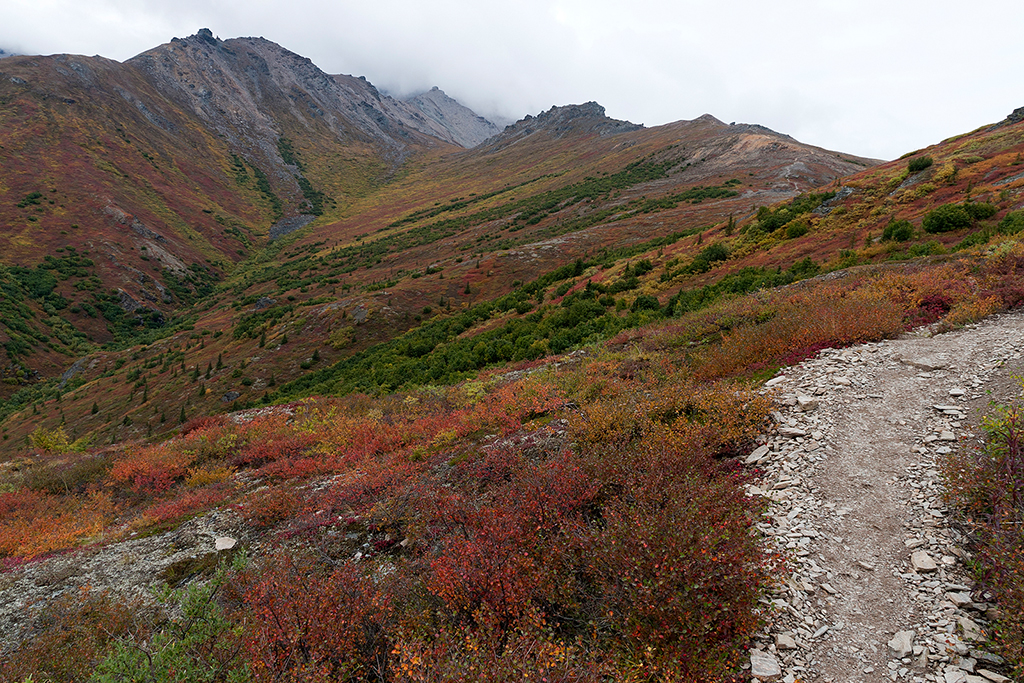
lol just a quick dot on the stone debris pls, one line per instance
(764, 667)
(902, 644)
(823, 620)
(224, 543)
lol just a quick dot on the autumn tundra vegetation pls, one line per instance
(472, 414)
(578, 520)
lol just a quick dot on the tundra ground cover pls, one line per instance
(986, 481)
(580, 521)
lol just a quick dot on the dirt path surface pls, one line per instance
(879, 591)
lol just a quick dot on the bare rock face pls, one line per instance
(558, 122)
(462, 124)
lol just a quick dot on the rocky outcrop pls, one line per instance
(464, 126)
(558, 122)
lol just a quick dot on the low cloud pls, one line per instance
(869, 77)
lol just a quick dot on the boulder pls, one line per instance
(764, 666)
(902, 644)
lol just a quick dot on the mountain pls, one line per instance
(164, 171)
(5, 53)
(215, 185)
(466, 128)
(472, 408)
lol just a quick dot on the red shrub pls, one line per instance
(308, 625)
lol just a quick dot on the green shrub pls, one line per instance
(797, 229)
(645, 302)
(947, 218)
(979, 211)
(898, 231)
(198, 644)
(918, 164)
(1012, 223)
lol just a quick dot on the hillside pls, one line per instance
(405, 223)
(448, 412)
(466, 128)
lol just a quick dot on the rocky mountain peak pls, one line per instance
(465, 127)
(572, 119)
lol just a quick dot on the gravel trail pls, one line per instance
(879, 591)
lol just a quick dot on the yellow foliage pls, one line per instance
(970, 310)
(51, 440)
(342, 337)
(197, 477)
(946, 174)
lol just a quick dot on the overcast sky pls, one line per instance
(877, 78)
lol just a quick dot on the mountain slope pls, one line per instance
(175, 164)
(466, 127)
(161, 173)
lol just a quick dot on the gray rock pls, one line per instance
(925, 363)
(758, 454)
(224, 543)
(993, 676)
(764, 666)
(785, 641)
(902, 644)
(959, 598)
(792, 432)
(230, 396)
(807, 403)
(972, 631)
(922, 562)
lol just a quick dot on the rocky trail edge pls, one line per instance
(878, 589)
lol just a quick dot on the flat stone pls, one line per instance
(764, 666)
(757, 455)
(791, 432)
(988, 657)
(957, 391)
(922, 562)
(807, 403)
(842, 381)
(224, 543)
(927, 363)
(947, 436)
(785, 641)
(955, 676)
(902, 644)
(775, 380)
(959, 598)
(992, 676)
(972, 631)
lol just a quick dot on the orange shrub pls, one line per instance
(33, 523)
(152, 469)
(800, 326)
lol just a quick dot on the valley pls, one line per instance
(452, 401)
